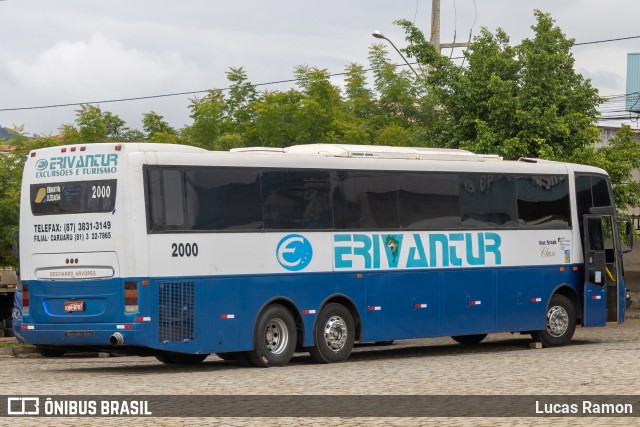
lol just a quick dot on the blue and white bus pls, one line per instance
(253, 254)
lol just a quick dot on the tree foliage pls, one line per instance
(11, 166)
(158, 130)
(516, 101)
(94, 125)
(620, 158)
(525, 101)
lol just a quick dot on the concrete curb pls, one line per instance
(17, 351)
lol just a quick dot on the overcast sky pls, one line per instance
(70, 51)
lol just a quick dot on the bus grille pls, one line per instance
(175, 311)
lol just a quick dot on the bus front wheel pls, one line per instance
(561, 323)
(274, 338)
(334, 334)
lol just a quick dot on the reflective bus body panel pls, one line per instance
(403, 283)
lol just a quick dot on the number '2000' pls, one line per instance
(184, 249)
(100, 192)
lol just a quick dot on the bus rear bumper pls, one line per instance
(98, 334)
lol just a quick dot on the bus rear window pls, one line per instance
(73, 197)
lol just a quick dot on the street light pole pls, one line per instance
(378, 34)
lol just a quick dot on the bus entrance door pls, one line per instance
(601, 270)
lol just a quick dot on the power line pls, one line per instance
(166, 95)
(607, 41)
(196, 92)
(138, 98)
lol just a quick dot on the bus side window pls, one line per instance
(366, 200)
(600, 190)
(428, 201)
(223, 199)
(295, 199)
(488, 200)
(166, 198)
(591, 191)
(543, 201)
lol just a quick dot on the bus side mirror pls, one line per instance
(626, 235)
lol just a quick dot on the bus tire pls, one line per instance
(274, 338)
(334, 334)
(560, 321)
(469, 339)
(169, 358)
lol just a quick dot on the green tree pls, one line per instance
(620, 158)
(405, 102)
(275, 122)
(158, 130)
(525, 100)
(360, 101)
(396, 90)
(94, 125)
(208, 115)
(239, 109)
(219, 122)
(317, 112)
(11, 167)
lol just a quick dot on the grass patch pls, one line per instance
(13, 344)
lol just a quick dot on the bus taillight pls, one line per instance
(130, 297)
(25, 298)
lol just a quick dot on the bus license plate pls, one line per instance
(72, 306)
(77, 334)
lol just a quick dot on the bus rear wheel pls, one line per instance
(169, 358)
(274, 338)
(334, 334)
(469, 339)
(561, 323)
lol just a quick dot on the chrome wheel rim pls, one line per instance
(335, 333)
(557, 321)
(276, 336)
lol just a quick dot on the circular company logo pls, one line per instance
(41, 164)
(294, 252)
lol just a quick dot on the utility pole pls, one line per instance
(435, 29)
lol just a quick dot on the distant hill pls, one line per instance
(4, 133)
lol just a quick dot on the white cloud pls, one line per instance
(95, 69)
(56, 52)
